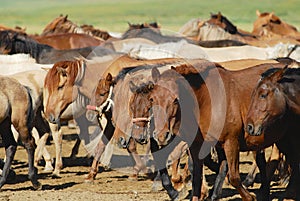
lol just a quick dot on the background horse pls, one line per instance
(62, 24)
(273, 116)
(65, 41)
(16, 110)
(13, 43)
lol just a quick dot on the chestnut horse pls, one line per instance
(62, 24)
(273, 117)
(16, 110)
(269, 25)
(65, 41)
(226, 115)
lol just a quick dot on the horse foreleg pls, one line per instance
(57, 138)
(75, 149)
(252, 173)
(105, 138)
(265, 182)
(231, 147)
(160, 158)
(139, 165)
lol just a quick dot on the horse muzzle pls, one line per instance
(254, 130)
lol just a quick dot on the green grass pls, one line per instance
(113, 15)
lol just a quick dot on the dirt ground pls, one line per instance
(110, 185)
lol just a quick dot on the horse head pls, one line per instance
(223, 22)
(101, 102)
(59, 87)
(154, 107)
(60, 24)
(268, 24)
(268, 104)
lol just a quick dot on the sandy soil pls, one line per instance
(109, 185)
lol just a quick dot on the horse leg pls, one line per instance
(160, 158)
(105, 138)
(57, 138)
(265, 183)
(139, 165)
(231, 147)
(75, 149)
(217, 189)
(10, 149)
(252, 173)
(29, 144)
(293, 188)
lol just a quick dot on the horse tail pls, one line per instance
(30, 111)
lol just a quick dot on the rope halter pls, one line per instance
(108, 103)
(143, 119)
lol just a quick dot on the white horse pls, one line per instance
(182, 49)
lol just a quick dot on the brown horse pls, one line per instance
(273, 117)
(16, 109)
(62, 24)
(221, 118)
(13, 43)
(269, 25)
(68, 40)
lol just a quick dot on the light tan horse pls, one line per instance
(269, 25)
(16, 109)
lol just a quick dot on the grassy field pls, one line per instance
(113, 15)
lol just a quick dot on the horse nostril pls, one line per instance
(51, 118)
(250, 129)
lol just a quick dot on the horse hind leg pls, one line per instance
(10, 150)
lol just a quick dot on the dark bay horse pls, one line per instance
(221, 118)
(273, 117)
(16, 109)
(13, 43)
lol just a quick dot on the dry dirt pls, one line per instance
(110, 185)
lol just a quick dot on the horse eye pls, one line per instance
(60, 87)
(102, 94)
(263, 96)
(151, 100)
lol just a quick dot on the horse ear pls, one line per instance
(155, 74)
(219, 16)
(66, 18)
(257, 13)
(278, 75)
(132, 87)
(62, 71)
(109, 77)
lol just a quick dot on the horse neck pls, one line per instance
(291, 92)
(30, 47)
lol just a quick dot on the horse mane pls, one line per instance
(230, 27)
(52, 25)
(53, 75)
(287, 72)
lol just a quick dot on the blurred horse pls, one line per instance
(269, 25)
(68, 40)
(13, 43)
(62, 24)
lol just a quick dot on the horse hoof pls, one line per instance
(183, 193)
(157, 186)
(55, 176)
(37, 186)
(133, 177)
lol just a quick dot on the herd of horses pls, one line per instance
(211, 86)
